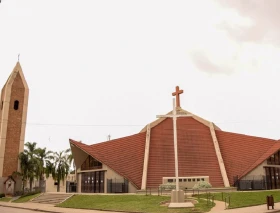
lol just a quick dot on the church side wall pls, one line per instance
(110, 174)
(2, 180)
(256, 173)
(1, 110)
(80, 156)
(3, 124)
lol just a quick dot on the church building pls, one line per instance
(13, 112)
(205, 152)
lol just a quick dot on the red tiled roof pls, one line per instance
(242, 153)
(124, 155)
(196, 153)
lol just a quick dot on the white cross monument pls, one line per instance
(177, 196)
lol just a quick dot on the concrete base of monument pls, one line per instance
(181, 205)
(178, 200)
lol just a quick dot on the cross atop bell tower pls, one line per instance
(177, 94)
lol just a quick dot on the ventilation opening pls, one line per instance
(16, 104)
(1, 105)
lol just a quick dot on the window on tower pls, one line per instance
(16, 104)
(1, 105)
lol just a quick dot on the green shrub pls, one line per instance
(168, 186)
(2, 195)
(202, 185)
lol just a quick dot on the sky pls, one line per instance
(99, 68)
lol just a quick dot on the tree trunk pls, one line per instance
(30, 185)
(22, 182)
(41, 181)
(58, 185)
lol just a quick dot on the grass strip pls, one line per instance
(245, 199)
(24, 199)
(5, 199)
(129, 203)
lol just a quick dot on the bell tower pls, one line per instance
(13, 113)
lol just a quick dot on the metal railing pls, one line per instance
(210, 199)
(226, 199)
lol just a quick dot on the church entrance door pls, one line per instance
(272, 177)
(93, 182)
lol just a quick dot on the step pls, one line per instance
(48, 198)
(50, 202)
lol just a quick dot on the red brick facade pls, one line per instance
(13, 112)
(14, 128)
(195, 150)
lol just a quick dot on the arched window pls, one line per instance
(16, 104)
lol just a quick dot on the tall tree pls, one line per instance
(29, 163)
(59, 167)
(43, 155)
(24, 165)
(71, 160)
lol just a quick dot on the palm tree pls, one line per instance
(29, 163)
(25, 167)
(60, 166)
(71, 161)
(43, 155)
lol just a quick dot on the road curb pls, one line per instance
(41, 210)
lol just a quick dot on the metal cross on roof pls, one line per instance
(177, 94)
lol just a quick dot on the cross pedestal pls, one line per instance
(177, 196)
(178, 200)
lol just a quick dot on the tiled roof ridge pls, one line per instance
(241, 134)
(181, 111)
(114, 140)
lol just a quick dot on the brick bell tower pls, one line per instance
(13, 113)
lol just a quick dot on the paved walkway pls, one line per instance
(219, 208)
(47, 208)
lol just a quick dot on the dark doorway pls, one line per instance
(71, 187)
(272, 177)
(117, 186)
(93, 182)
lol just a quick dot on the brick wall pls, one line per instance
(14, 128)
(196, 153)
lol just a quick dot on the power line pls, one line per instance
(105, 125)
(255, 121)
(136, 125)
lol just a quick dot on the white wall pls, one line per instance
(257, 173)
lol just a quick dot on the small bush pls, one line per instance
(2, 195)
(168, 186)
(202, 185)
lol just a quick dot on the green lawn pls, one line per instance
(5, 199)
(244, 199)
(24, 198)
(130, 203)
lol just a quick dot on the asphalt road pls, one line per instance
(15, 210)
